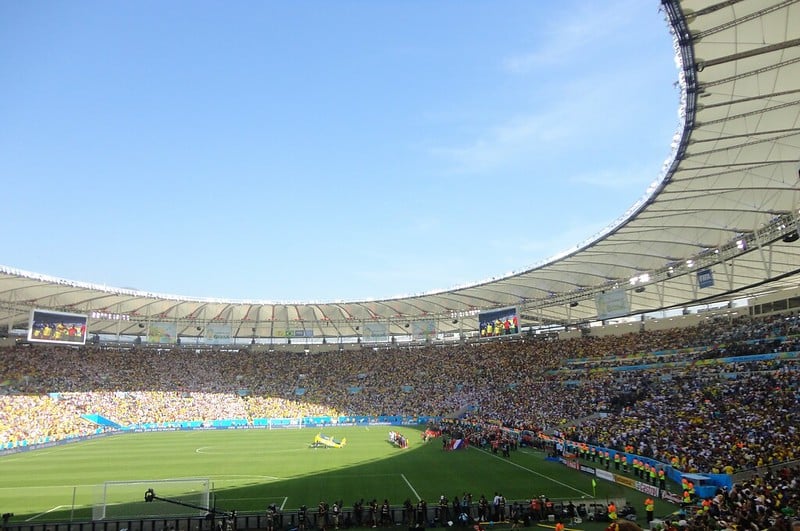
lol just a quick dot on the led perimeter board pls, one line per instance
(47, 326)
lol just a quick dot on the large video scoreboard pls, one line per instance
(48, 326)
(501, 322)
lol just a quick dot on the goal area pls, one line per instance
(114, 500)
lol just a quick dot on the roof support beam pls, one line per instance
(700, 65)
(737, 21)
(775, 66)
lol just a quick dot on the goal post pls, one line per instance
(126, 499)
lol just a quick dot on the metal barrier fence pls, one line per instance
(288, 520)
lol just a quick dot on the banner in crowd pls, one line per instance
(613, 303)
(705, 278)
(164, 333)
(218, 333)
(375, 332)
(423, 329)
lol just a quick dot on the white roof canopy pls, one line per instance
(727, 201)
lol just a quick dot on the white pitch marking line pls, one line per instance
(531, 471)
(34, 517)
(410, 486)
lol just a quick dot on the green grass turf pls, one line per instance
(250, 469)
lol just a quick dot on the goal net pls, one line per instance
(115, 500)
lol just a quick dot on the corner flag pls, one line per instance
(594, 487)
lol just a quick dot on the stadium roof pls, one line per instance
(726, 203)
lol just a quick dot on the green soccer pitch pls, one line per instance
(251, 469)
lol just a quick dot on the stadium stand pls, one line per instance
(668, 394)
(719, 397)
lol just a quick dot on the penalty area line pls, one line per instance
(410, 486)
(57, 507)
(530, 470)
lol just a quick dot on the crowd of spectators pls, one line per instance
(708, 423)
(708, 416)
(768, 501)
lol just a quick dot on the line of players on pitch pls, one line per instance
(397, 438)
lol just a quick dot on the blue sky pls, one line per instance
(318, 151)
